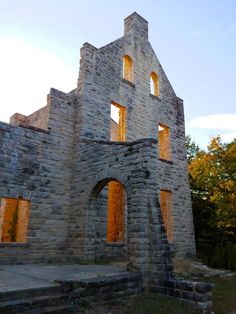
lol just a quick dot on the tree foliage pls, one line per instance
(212, 176)
(192, 149)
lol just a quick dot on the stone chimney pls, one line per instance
(137, 25)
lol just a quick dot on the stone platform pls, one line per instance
(35, 289)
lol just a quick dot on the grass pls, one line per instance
(151, 303)
(224, 295)
(146, 303)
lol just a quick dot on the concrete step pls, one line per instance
(66, 297)
(30, 303)
(24, 293)
(113, 286)
(58, 309)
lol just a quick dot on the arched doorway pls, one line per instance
(110, 219)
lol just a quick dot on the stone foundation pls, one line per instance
(196, 294)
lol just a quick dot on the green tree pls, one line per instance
(212, 176)
(192, 148)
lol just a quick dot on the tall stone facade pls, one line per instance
(61, 159)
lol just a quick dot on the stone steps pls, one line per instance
(66, 297)
(47, 303)
(24, 293)
(58, 309)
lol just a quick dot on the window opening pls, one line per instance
(127, 68)
(116, 212)
(154, 84)
(118, 123)
(14, 219)
(166, 210)
(164, 142)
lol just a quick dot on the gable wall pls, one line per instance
(101, 83)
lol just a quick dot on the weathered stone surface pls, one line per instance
(61, 159)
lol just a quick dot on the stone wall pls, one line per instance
(35, 165)
(196, 294)
(101, 83)
(134, 166)
(60, 157)
(38, 119)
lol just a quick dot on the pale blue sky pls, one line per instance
(195, 42)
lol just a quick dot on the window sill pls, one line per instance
(14, 244)
(167, 161)
(128, 82)
(115, 243)
(155, 97)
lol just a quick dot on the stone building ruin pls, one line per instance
(76, 185)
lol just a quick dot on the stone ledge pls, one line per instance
(154, 97)
(4, 126)
(166, 161)
(14, 244)
(117, 244)
(128, 82)
(33, 128)
(103, 287)
(140, 141)
(111, 279)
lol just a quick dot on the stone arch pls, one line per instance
(99, 216)
(97, 183)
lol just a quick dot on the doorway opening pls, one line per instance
(116, 212)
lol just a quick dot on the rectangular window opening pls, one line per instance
(164, 142)
(118, 123)
(116, 212)
(166, 210)
(14, 219)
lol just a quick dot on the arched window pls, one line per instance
(127, 68)
(154, 84)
